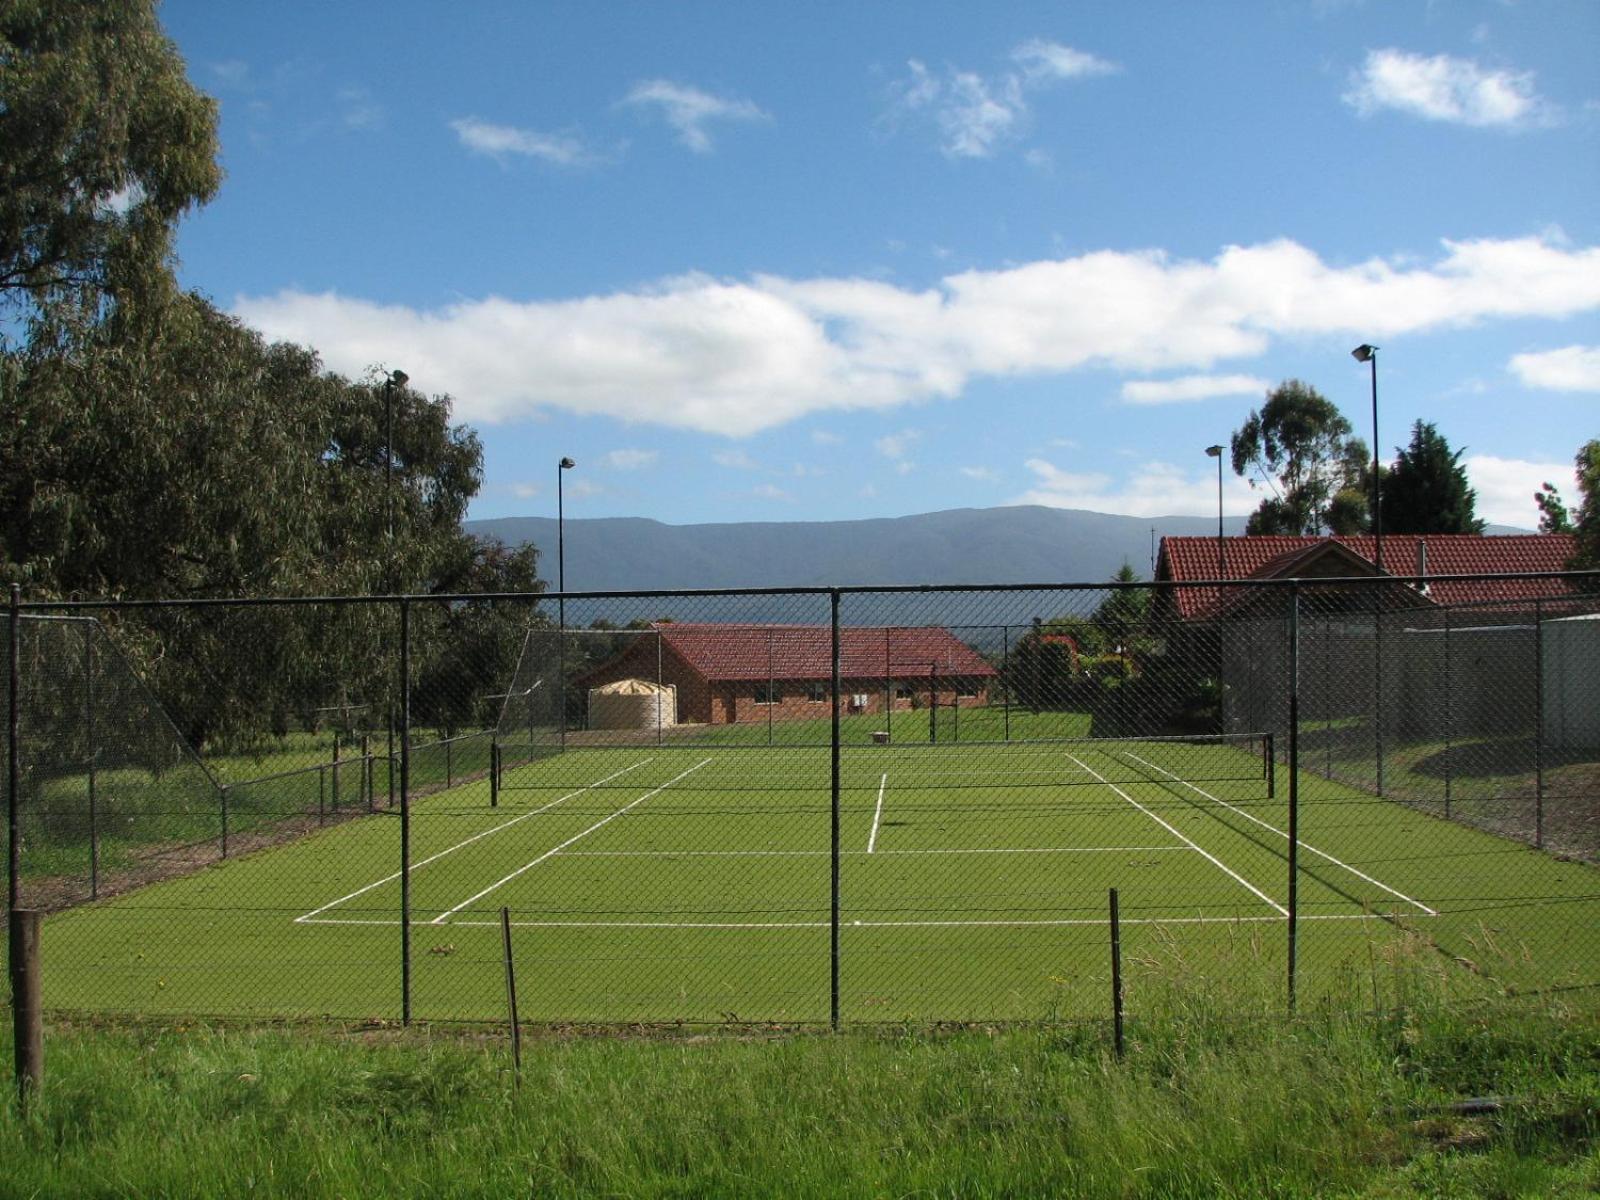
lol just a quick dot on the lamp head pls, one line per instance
(567, 464)
(1213, 451)
(399, 378)
(1363, 352)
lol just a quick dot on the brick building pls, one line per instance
(728, 673)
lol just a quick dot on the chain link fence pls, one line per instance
(808, 806)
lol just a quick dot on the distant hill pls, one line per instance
(1024, 544)
(1027, 544)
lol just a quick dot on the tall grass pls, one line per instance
(1207, 1102)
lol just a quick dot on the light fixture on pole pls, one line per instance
(1222, 558)
(566, 464)
(1369, 354)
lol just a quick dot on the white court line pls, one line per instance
(885, 853)
(449, 912)
(1170, 829)
(475, 837)
(1088, 921)
(877, 816)
(1303, 844)
(980, 923)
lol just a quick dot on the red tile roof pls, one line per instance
(728, 651)
(1275, 557)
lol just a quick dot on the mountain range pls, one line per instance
(1021, 544)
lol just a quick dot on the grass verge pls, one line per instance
(1205, 1104)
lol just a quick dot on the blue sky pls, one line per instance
(832, 260)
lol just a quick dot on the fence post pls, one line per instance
(511, 995)
(1294, 782)
(1377, 699)
(494, 774)
(94, 755)
(13, 748)
(222, 803)
(366, 768)
(26, 1013)
(1005, 675)
(405, 812)
(322, 794)
(833, 919)
(1449, 717)
(1538, 723)
(1116, 973)
(449, 763)
(336, 771)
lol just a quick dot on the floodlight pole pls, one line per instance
(1222, 553)
(562, 467)
(394, 379)
(1369, 354)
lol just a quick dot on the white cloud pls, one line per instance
(1152, 489)
(631, 460)
(1505, 487)
(1191, 387)
(1569, 369)
(739, 356)
(983, 474)
(976, 114)
(769, 491)
(896, 446)
(498, 141)
(525, 491)
(1042, 60)
(737, 460)
(358, 111)
(1442, 88)
(689, 110)
(823, 437)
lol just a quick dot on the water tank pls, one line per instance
(633, 704)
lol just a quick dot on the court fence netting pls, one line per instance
(823, 806)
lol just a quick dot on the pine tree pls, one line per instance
(1426, 490)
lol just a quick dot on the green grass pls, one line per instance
(1205, 1104)
(692, 883)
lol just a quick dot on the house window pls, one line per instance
(817, 693)
(768, 693)
(966, 690)
(902, 691)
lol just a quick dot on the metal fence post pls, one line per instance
(1005, 675)
(94, 755)
(222, 805)
(1116, 973)
(1538, 723)
(1294, 783)
(13, 748)
(405, 812)
(336, 771)
(1377, 699)
(833, 919)
(1449, 717)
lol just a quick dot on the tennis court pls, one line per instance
(695, 883)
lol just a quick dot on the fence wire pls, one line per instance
(825, 805)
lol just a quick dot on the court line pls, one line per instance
(953, 924)
(448, 913)
(886, 853)
(1216, 862)
(475, 837)
(878, 815)
(1305, 845)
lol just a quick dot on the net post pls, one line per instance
(405, 812)
(1116, 974)
(833, 917)
(1294, 785)
(494, 774)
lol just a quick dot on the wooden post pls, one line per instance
(26, 1012)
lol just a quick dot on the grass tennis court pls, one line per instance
(677, 882)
